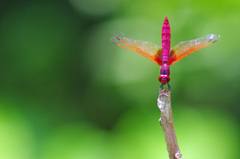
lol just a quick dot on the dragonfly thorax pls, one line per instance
(164, 74)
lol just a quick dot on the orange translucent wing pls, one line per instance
(185, 48)
(144, 48)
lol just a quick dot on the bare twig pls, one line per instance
(166, 121)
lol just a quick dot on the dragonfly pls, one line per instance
(164, 57)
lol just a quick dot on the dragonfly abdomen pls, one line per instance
(166, 40)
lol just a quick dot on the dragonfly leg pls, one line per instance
(169, 87)
(161, 87)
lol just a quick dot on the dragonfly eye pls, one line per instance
(164, 79)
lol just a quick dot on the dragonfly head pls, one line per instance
(164, 79)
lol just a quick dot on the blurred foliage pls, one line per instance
(67, 92)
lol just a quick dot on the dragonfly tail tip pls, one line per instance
(166, 18)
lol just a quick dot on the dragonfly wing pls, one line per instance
(144, 48)
(185, 48)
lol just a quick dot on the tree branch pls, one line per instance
(166, 121)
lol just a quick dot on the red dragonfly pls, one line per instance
(164, 56)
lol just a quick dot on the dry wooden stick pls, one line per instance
(166, 121)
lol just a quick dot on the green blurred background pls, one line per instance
(67, 92)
